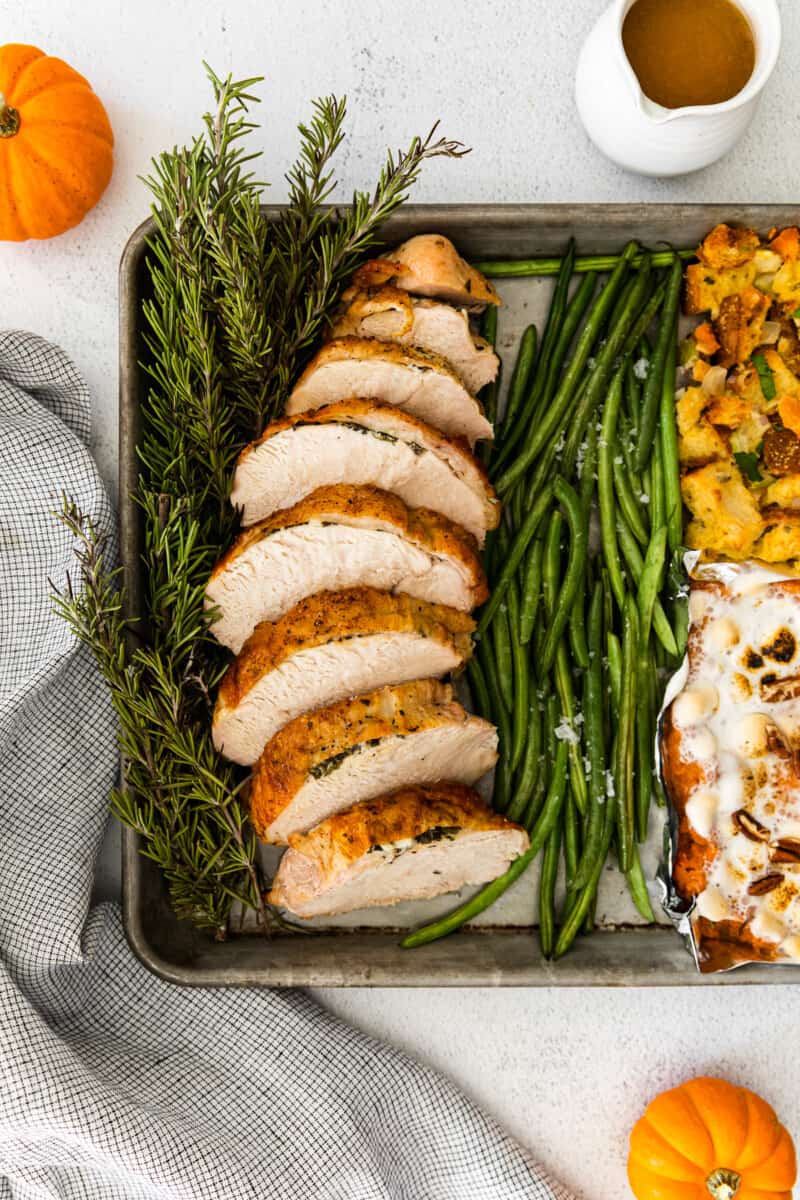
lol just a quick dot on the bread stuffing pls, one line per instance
(739, 411)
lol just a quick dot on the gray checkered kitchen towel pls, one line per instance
(113, 1083)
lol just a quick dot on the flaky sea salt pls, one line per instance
(565, 733)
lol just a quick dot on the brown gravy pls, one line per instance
(689, 51)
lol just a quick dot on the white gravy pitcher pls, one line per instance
(645, 137)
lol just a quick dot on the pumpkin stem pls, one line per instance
(9, 119)
(723, 1184)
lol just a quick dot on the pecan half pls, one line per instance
(767, 883)
(777, 742)
(747, 824)
(785, 850)
(781, 451)
(774, 690)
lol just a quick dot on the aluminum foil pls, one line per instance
(677, 909)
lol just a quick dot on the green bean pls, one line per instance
(573, 316)
(514, 508)
(628, 503)
(588, 470)
(594, 706)
(483, 652)
(521, 691)
(644, 319)
(623, 764)
(489, 554)
(647, 486)
(558, 303)
(480, 692)
(657, 508)
(680, 620)
(571, 846)
(501, 718)
(576, 563)
(566, 695)
(577, 915)
(638, 887)
(501, 795)
(492, 710)
(501, 640)
(545, 469)
(633, 393)
(605, 489)
(547, 890)
(562, 674)
(604, 366)
(525, 782)
(626, 445)
(550, 719)
(645, 736)
(520, 376)
(614, 653)
(514, 556)
(551, 560)
(510, 268)
(531, 590)
(653, 386)
(577, 632)
(669, 452)
(548, 818)
(633, 558)
(559, 318)
(552, 420)
(649, 583)
(534, 805)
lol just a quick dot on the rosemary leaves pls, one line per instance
(237, 303)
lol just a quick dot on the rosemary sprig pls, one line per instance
(237, 302)
(338, 241)
(178, 794)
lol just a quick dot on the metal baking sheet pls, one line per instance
(363, 949)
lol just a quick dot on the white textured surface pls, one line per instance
(567, 1071)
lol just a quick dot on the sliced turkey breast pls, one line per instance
(390, 314)
(330, 759)
(339, 537)
(429, 265)
(332, 645)
(413, 844)
(364, 442)
(415, 380)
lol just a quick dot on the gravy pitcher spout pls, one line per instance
(641, 134)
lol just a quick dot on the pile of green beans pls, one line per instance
(586, 618)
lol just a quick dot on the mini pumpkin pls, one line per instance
(708, 1138)
(56, 145)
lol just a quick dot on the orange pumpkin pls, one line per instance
(56, 145)
(709, 1138)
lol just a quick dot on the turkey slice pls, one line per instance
(429, 265)
(330, 646)
(362, 747)
(416, 381)
(364, 442)
(410, 845)
(340, 537)
(390, 314)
